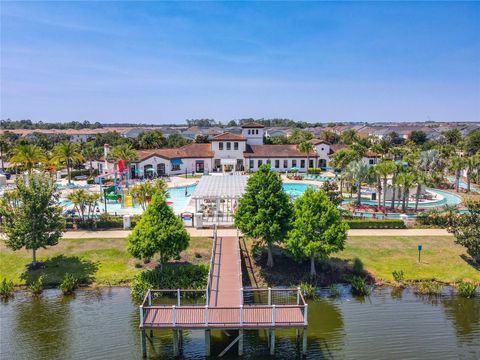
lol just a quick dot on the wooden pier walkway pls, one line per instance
(226, 304)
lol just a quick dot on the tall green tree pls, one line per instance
(384, 169)
(317, 228)
(405, 180)
(159, 231)
(68, 154)
(91, 153)
(263, 212)
(472, 164)
(472, 142)
(349, 136)
(125, 153)
(151, 140)
(466, 229)
(456, 164)
(27, 155)
(358, 171)
(306, 148)
(340, 160)
(36, 222)
(299, 136)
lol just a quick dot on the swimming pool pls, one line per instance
(462, 184)
(295, 190)
(446, 199)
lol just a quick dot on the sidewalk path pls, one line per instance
(115, 234)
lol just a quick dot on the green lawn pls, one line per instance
(101, 261)
(106, 262)
(441, 258)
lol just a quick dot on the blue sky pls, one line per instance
(163, 62)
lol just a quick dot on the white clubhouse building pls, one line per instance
(229, 152)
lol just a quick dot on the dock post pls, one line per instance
(304, 346)
(175, 343)
(240, 342)
(144, 344)
(272, 342)
(180, 338)
(207, 342)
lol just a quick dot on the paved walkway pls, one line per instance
(115, 234)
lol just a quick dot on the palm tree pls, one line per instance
(358, 171)
(384, 170)
(305, 148)
(91, 153)
(405, 181)
(4, 147)
(125, 153)
(67, 153)
(472, 163)
(457, 164)
(27, 155)
(340, 160)
(421, 178)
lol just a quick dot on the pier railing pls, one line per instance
(250, 315)
(212, 264)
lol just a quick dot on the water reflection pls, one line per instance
(104, 325)
(38, 320)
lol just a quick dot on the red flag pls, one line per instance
(121, 165)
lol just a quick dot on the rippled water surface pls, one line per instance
(103, 325)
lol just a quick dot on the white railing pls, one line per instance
(250, 315)
(212, 264)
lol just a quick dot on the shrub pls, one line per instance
(428, 288)
(334, 291)
(359, 286)
(171, 277)
(197, 255)
(69, 284)
(6, 289)
(307, 289)
(433, 217)
(36, 287)
(375, 224)
(466, 289)
(357, 266)
(398, 275)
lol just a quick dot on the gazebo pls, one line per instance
(216, 198)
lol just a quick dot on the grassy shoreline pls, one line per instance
(105, 262)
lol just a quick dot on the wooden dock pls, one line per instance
(225, 304)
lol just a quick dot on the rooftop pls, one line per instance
(220, 187)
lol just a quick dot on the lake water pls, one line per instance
(103, 324)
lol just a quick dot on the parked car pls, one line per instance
(6, 173)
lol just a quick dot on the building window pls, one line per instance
(256, 132)
(251, 165)
(269, 162)
(176, 167)
(229, 146)
(260, 162)
(277, 164)
(285, 164)
(302, 163)
(235, 146)
(248, 131)
(220, 146)
(372, 161)
(310, 163)
(294, 163)
(322, 149)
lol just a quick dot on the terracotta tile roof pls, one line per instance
(184, 152)
(318, 141)
(265, 151)
(252, 124)
(229, 136)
